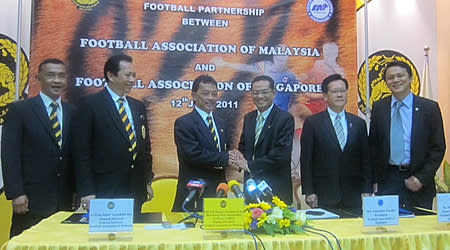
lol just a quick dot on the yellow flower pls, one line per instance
(265, 206)
(251, 205)
(278, 202)
(247, 219)
(284, 223)
(262, 219)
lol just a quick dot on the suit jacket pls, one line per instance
(198, 156)
(104, 163)
(270, 158)
(32, 162)
(427, 143)
(336, 176)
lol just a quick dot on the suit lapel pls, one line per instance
(350, 130)
(417, 116)
(67, 117)
(267, 125)
(222, 135)
(114, 114)
(201, 125)
(386, 122)
(251, 128)
(40, 110)
(328, 126)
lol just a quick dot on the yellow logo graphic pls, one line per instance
(86, 4)
(8, 60)
(378, 88)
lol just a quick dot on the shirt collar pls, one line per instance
(266, 113)
(47, 100)
(408, 101)
(202, 113)
(334, 114)
(115, 96)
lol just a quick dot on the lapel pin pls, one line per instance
(269, 126)
(417, 108)
(351, 125)
(221, 130)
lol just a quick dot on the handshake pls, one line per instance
(237, 161)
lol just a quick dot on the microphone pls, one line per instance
(252, 189)
(265, 189)
(194, 187)
(221, 190)
(235, 187)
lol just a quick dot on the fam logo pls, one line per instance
(111, 205)
(377, 87)
(8, 52)
(86, 4)
(320, 10)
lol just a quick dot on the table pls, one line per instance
(422, 232)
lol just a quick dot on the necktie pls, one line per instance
(259, 127)
(339, 131)
(213, 131)
(128, 128)
(54, 122)
(397, 142)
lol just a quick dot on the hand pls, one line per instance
(149, 191)
(312, 200)
(375, 188)
(366, 194)
(86, 200)
(20, 204)
(413, 184)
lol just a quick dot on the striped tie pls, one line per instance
(54, 122)
(339, 131)
(128, 128)
(259, 127)
(213, 131)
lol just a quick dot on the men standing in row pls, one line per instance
(407, 141)
(335, 153)
(201, 139)
(35, 154)
(112, 148)
(266, 141)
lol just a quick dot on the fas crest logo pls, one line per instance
(8, 51)
(86, 4)
(377, 87)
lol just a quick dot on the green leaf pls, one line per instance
(269, 228)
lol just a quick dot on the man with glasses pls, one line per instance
(266, 141)
(335, 153)
(407, 141)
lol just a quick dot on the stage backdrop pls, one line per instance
(298, 43)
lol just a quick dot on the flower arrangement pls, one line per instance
(274, 218)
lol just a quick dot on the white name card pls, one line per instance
(111, 215)
(380, 210)
(443, 206)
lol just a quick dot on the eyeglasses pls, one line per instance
(337, 91)
(262, 92)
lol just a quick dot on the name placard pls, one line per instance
(111, 215)
(443, 206)
(380, 210)
(223, 214)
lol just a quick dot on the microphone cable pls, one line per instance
(255, 237)
(323, 235)
(328, 232)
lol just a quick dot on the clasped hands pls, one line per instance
(237, 161)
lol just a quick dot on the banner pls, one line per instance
(298, 43)
(9, 16)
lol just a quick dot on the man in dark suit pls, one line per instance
(406, 140)
(35, 151)
(112, 149)
(335, 153)
(202, 143)
(266, 141)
